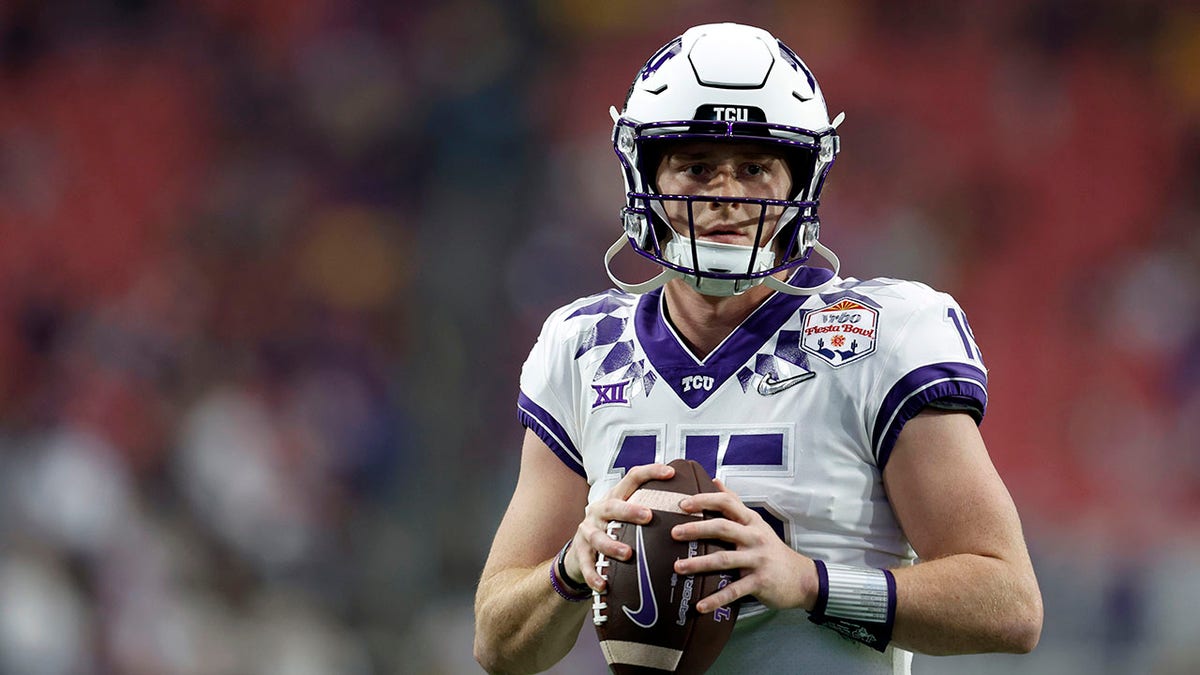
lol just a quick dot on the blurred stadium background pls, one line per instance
(269, 268)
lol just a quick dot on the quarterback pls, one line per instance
(838, 416)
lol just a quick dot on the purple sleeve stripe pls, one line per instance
(916, 389)
(536, 419)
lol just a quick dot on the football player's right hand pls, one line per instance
(770, 570)
(591, 537)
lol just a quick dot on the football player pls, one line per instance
(839, 416)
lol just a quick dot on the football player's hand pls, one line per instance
(591, 537)
(770, 570)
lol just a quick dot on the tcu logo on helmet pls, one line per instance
(731, 114)
(698, 382)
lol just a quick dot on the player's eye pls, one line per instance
(755, 169)
(695, 170)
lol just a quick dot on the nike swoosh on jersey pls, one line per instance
(768, 386)
(646, 615)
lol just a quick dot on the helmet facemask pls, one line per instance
(782, 232)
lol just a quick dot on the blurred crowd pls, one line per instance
(269, 268)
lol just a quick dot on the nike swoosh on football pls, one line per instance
(646, 615)
(768, 386)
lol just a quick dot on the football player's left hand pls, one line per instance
(776, 575)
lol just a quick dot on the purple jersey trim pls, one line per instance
(914, 391)
(674, 362)
(536, 419)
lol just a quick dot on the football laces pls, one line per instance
(602, 562)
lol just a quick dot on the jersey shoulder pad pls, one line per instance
(598, 317)
(551, 376)
(885, 291)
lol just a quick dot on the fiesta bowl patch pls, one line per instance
(840, 333)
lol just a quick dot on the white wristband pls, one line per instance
(857, 593)
(857, 602)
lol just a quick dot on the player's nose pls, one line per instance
(725, 184)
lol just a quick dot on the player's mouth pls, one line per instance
(730, 234)
(726, 238)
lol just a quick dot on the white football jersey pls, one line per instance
(796, 411)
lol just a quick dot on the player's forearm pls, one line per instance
(521, 624)
(966, 604)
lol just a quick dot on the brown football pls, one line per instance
(646, 620)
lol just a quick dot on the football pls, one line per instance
(646, 618)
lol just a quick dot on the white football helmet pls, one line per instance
(724, 82)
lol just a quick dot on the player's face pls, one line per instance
(724, 170)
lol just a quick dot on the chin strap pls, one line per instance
(646, 286)
(784, 287)
(666, 275)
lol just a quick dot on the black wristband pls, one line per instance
(561, 566)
